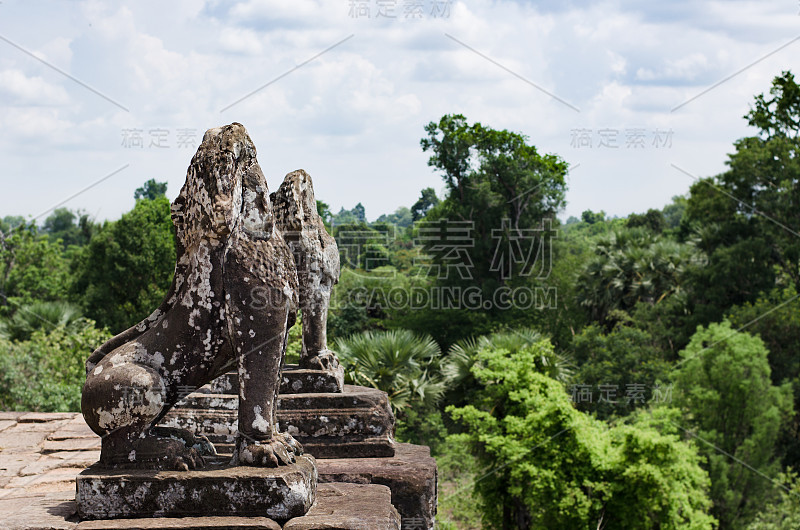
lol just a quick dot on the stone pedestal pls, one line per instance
(294, 380)
(357, 422)
(219, 489)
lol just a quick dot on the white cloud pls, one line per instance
(34, 91)
(354, 115)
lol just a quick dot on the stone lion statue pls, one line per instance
(227, 244)
(317, 258)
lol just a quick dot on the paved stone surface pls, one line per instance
(42, 511)
(44, 417)
(349, 507)
(278, 493)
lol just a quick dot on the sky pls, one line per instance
(640, 98)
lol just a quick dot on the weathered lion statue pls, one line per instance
(317, 258)
(227, 245)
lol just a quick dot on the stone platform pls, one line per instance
(42, 453)
(357, 422)
(411, 475)
(221, 489)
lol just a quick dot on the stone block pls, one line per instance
(411, 475)
(44, 417)
(183, 523)
(71, 444)
(294, 380)
(355, 423)
(72, 430)
(218, 489)
(15, 440)
(5, 424)
(52, 480)
(349, 507)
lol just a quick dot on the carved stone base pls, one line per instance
(294, 380)
(338, 506)
(217, 490)
(356, 423)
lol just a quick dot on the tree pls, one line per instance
(673, 212)
(555, 467)
(40, 315)
(46, 373)
(591, 218)
(762, 184)
(775, 318)
(500, 186)
(723, 385)
(401, 217)
(360, 213)
(324, 211)
(427, 200)
(9, 222)
(126, 269)
(355, 216)
(72, 228)
(464, 355)
(151, 190)
(785, 513)
(631, 266)
(653, 220)
(404, 365)
(31, 268)
(616, 364)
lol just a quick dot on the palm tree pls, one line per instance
(39, 315)
(463, 355)
(404, 365)
(632, 266)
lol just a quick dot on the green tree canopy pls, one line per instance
(401, 217)
(72, 228)
(753, 209)
(555, 467)
(126, 269)
(723, 385)
(31, 268)
(427, 200)
(632, 266)
(10, 221)
(498, 183)
(324, 211)
(151, 190)
(615, 364)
